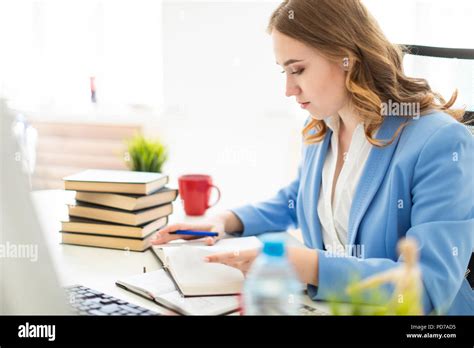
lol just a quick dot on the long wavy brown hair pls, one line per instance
(344, 28)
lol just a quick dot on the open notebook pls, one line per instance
(193, 276)
(158, 287)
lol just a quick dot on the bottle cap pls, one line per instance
(274, 248)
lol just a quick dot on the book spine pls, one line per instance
(166, 269)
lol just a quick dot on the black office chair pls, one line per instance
(444, 52)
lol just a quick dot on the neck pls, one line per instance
(349, 120)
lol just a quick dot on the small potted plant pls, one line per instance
(145, 155)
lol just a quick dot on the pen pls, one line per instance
(196, 233)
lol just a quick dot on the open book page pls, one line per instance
(233, 244)
(196, 277)
(153, 283)
(159, 249)
(209, 305)
(223, 245)
(158, 286)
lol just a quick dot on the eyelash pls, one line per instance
(298, 72)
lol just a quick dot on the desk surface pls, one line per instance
(99, 268)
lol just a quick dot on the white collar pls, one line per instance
(333, 123)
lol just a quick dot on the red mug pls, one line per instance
(195, 192)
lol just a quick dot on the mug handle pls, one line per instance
(218, 196)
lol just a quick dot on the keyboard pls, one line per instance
(86, 301)
(307, 310)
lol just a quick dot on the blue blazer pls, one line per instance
(420, 186)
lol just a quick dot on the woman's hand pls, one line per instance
(304, 261)
(238, 259)
(227, 221)
(163, 236)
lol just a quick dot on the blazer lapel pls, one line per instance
(373, 174)
(319, 154)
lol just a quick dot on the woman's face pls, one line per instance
(317, 83)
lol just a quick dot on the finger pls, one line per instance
(240, 265)
(164, 236)
(221, 257)
(163, 239)
(170, 228)
(213, 240)
(210, 240)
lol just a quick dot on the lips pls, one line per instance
(304, 105)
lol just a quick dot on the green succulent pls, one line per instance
(356, 304)
(145, 155)
(388, 304)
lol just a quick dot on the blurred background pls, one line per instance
(198, 75)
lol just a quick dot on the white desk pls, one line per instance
(99, 268)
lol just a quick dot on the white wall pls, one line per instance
(225, 112)
(200, 74)
(50, 48)
(439, 23)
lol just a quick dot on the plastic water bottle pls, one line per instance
(272, 287)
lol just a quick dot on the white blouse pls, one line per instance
(335, 218)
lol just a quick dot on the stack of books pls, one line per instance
(117, 209)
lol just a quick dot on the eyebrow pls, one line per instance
(291, 61)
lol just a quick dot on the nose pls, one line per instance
(291, 87)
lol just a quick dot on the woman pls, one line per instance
(384, 158)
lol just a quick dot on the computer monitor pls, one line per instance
(28, 282)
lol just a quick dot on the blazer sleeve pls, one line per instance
(275, 214)
(442, 222)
